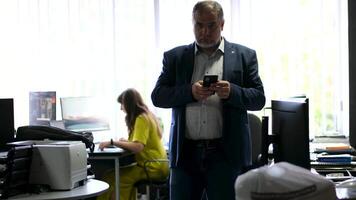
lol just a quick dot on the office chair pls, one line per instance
(152, 188)
(255, 124)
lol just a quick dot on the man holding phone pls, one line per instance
(209, 142)
(209, 79)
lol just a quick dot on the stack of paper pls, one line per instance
(335, 149)
(337, 158)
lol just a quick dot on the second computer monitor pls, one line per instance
(290, 127)
(84, 114)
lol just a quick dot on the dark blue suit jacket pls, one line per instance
(174, 90)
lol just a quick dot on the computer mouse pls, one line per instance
(349, 183)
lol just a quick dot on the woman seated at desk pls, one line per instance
(144, 139)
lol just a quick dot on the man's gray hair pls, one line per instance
(209, 5)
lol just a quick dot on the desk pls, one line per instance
(321, 143)
(115, 154)
(92, 188)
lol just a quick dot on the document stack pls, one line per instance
(337, 158)
(14, 171)
(334, 162)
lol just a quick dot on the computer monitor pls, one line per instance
(290, 129)
(7, 127)
(84, 114)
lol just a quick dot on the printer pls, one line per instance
(62, 165)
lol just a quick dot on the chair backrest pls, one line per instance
(256, 137)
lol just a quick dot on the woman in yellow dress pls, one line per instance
(144, 139)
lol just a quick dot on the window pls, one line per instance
(302, 49)
(96, 48)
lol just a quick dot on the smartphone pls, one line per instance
(209, 79)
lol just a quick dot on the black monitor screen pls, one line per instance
(7, 127)
(290, 126)
(84, 114)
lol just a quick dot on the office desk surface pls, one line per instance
(92, 188)
(108, 151)
(125, 157)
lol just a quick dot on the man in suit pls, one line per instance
(209, 137)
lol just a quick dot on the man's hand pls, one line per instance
(222, 89)
(200, 92)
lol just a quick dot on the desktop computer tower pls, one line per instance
(7, 127)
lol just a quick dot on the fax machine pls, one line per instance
(62, 165)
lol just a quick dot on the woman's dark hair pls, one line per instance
(134, 106)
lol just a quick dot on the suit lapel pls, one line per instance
(188, 63)
(228, 60)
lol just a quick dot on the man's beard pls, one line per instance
(207, 45)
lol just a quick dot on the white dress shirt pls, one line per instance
(204, 118)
